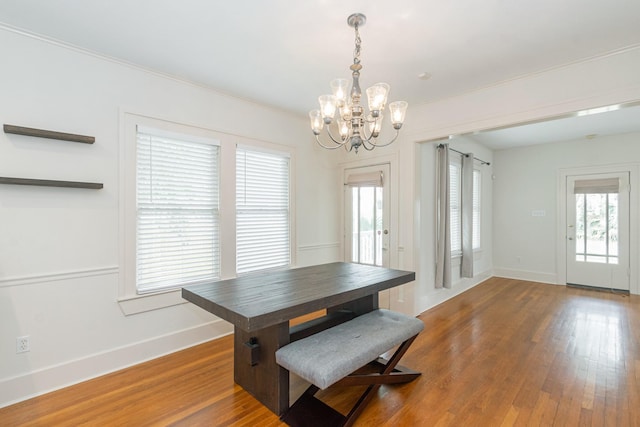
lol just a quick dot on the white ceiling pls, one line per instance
(570, 128)
(284, 52)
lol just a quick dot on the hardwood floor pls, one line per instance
(504, 353)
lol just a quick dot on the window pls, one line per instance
(262, 210)
(455, 207)
(596, 225)
(177, 210)
(182, 220)
(455, 172)
(477, 224)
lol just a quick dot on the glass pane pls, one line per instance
(379, 226)
(367, 224)
(596, 224)
(580, 227)
(613, 227)
(597, 228)
(355, 215)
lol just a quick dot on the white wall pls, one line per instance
(59, 248)
(525, 246)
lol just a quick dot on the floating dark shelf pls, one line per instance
(51, 183)
(41, 133)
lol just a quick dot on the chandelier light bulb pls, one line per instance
(398, 110)
(343, 127)
(340, 88)
(345, 111)
(327, 107)
(316, 121)
(377, 95)
(375, 126)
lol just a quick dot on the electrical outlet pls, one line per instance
(22, 344)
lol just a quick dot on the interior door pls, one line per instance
(598, 230)
(366, 234)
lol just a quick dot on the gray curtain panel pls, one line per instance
(443, 245)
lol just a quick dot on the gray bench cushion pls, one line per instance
(330, 355)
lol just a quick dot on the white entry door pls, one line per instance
(598, 230)
(366, 231)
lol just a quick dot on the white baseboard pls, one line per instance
(531, 276)
(438, 296)
(19, 388)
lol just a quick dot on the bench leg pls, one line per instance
(308, 411)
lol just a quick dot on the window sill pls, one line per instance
(142, 303)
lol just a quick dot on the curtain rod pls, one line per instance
(466, 155)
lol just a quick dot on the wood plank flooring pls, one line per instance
(505, 353)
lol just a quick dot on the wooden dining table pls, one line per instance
(260, 306)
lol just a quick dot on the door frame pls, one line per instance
(394, 229)
(634, 229)
(348, 240)
(397, 300)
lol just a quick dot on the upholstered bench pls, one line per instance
(334, 355)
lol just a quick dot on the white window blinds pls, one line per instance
(177, 229)
(597, 186)
(477, 185)
(262, 210)
(455, 178)
(454, 208)
(370, 179)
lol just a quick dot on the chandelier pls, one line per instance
(355, 127)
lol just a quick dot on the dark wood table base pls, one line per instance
(257, 378)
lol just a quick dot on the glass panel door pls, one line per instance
(598, 230)
(366, 220)
(367, 215)
(367, 225)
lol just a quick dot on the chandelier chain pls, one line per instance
(356, 52)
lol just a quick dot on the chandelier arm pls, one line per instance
(365, 137)
(368, 148)
(364, 131)
(338, 144)
(374, 145)
(341, 141)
